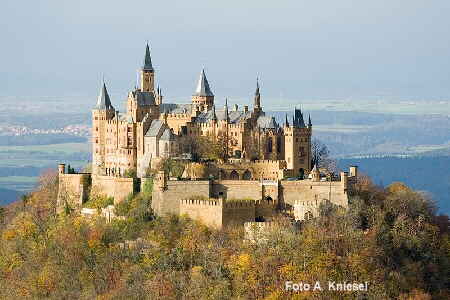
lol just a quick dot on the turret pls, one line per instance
(315, 174)
(203, 96)
(61, 168)
(353, 171)
(101, 114)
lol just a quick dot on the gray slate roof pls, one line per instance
(173, 108)
(167, 135)
(203, 88)
(154, 129)
(234, 116)
(267, 122)
(103, 101)
(144, 98)
(147, 60)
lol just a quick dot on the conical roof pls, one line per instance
(203, 88)
(147, 60)
(103, 101)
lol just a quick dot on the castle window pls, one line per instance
(269, 146)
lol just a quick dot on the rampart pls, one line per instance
(166, 196)
(73, 189)
(117, 187)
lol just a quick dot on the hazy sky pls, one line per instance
(300, 49)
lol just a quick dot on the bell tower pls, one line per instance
(147, 73)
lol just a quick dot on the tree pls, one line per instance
(321, 156)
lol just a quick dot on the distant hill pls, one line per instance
(8, 196)
(429, 174)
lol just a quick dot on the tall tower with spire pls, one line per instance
(147, 73)
(203, 97)
(102, 112)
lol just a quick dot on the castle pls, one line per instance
(258, 154)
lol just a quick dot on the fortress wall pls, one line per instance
(307, 190)
(167, 200)
(73, 188)
(116, 187)
(237, 189)
(265, 209)
(238, 212)
(209, 212)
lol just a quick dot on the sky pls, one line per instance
(300, 49)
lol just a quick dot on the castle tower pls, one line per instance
(203, 96)
(315, 174)
(257, 100)
(102, 112)
(147, 73)
(297, 140)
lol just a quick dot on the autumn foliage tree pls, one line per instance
(389, 237)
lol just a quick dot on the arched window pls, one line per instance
(269, 145)
(234, 175)
(247, 175)
(301, 173)
(278, 144)
(308, 215)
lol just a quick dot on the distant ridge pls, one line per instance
(7, 196)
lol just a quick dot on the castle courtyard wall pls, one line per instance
(73, 189)
(209, 212)
(308, 190)
(117, 187)
(166, 200)
(238, 212)
(237, 189)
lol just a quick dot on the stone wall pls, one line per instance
(237, 189)
(209, 212)
(308, 190)
(117, 187)
(238, 212)
(73, 189)
(166, 198)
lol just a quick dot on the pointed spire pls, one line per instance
(301, 120)
(214, 116)
(257, 100)
(226, 110)
(103, 101)
(257, 87)
(147, 60)
(309, 120)
(203, 89)
(287, 121)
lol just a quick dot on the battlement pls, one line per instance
(239, 203)
(201, 202)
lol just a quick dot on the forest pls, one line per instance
(390, 237)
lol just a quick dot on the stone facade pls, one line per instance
(223, 202)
